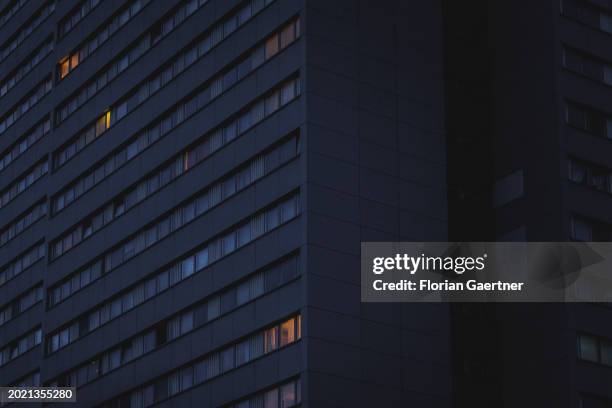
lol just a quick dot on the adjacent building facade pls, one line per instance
(529, 125)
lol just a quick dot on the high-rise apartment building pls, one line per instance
(184, 186)
(529, 119)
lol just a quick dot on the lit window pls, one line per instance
(299, 326)
(74, 60)
(64, 68)
(287, 332)
(108, 119)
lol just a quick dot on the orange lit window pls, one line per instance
(272, 46)
(74, 60)
(287, 332)
(64, 68)
(299, 326)
(108, 117)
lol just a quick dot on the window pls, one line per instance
(271, 104)
(187, 268)
(590, 175)
(20, 346)
(186, 378)
(271, 399)
(11, 10)
(213, 196)
(169, 223)
(595, 349)
(271, 340)
(25, 104)
(148, 88)
(287, 333)
(605, 22)
(585, 229)
(27, 29)
(607, 77)
(205, 368)
(200, 372)
(272, 46)
(592, 401)
(588, 13)
(578, 172)
(285, 395)
(243, 293)
(288, 93)
(173, 329)
(74, 60)
(227, 360)
(197, 315)
(589, 120)
(100, 125)
(243, 352)
(606, 353)
(288, 395)
(581, 230)
(31, 216)
(21, 263)
(108, 29)
(587, 65)
(75, 16)
(288, 35)
(26, 66)
(131, 54)
(20, 304)
(31, 380)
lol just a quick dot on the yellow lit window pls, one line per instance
(74, 60)
(108, 117)
(64, 68)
